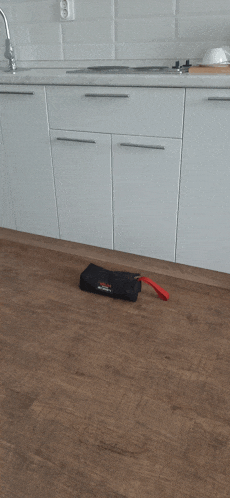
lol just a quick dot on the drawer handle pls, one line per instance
(17, 93)
(106, 95)
(218, 98)
(145, 146)
(76, 140)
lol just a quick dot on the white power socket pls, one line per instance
(67, 10)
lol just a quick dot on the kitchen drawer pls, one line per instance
(120, 110)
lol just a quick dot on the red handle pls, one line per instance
(163, 294)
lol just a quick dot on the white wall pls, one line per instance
(156, 30)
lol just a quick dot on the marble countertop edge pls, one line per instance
(58, 76)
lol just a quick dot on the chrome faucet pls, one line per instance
(9, 51)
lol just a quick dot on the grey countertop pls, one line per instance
(58, 76)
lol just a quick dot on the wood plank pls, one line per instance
(98, 255)
(210, 69)
(106, 398)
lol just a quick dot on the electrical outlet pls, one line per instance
(67, 10)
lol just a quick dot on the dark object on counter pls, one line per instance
(116, 284)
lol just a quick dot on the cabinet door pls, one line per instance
(7, 216)
(82, 170)
(204, 206)
(145, 194)
(28, 163)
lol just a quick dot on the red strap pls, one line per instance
(163, 294)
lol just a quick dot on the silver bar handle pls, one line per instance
(17, 93)
(76, 140)
(106, 95)
(144, 146)
(218, 98)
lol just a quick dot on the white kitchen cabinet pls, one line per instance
(203, 238)
(83, 181)
(146, 175)
(135, 208)
(28, 183)
(128, 204)
(123, 197)
(7, 215)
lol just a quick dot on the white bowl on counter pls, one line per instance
(217, 56)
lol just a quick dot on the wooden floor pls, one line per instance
(102, 398)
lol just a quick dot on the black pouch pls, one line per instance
(116, 284)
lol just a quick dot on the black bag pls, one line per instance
(116, 284)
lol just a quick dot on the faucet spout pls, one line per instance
(9, 51)
(6, 23)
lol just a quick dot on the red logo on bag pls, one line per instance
(105, 285)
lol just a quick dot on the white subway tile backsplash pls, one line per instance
(145, 30)
(144, 8)
(207, 7)
(88, 52)
(37, 34)
(39, 52)
(94, 9)
(149, 51)
(116, 29)
(97, 31)
(165, 52)
(204, 27)
(33, 11)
